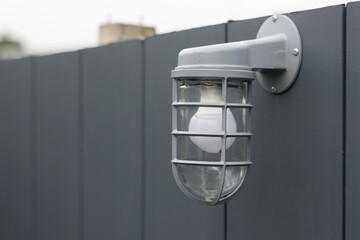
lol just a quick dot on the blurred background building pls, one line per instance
(115, 32)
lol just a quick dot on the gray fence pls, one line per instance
(85, 142)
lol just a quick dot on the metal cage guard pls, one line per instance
(222, 163)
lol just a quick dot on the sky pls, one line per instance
(51, 26)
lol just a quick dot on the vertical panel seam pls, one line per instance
(225, 204)
(344, 39)
(33, 105)
(143, 164)
(81, 139)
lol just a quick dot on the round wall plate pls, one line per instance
(279, 81)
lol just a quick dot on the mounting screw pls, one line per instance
(273, 89)
(296, 51)
(274, 18)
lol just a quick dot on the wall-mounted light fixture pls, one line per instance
(211, 106)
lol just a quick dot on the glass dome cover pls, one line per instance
(211, 136)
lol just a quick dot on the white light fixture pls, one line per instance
(211, 106)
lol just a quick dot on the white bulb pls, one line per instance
(209, 120)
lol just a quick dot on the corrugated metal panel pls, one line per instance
(294, 187)
(57, 146)
(352, 121)
(112, 133)
(16, 150)
(168, 213)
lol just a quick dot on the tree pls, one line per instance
(10, 48)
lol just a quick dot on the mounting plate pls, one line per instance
(278, 81)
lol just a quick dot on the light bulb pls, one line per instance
(209, 120)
